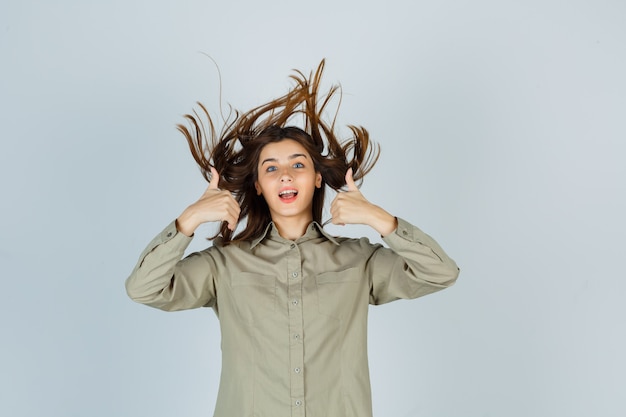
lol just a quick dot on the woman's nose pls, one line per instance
(285, 176)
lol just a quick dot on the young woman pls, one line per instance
(291, 299)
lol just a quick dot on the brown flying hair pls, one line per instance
(235, 151)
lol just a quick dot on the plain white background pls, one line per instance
(502, 127)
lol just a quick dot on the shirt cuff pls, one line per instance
(169, 240)
(404, 232)
(173, 237)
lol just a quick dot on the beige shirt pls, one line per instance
(293, 314)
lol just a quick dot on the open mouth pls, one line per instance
(288, 195)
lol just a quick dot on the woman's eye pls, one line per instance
(298, 165)
(270, 169)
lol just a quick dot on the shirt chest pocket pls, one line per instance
(254, 296)
(338, 292)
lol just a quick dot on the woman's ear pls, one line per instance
(257, 188)
(318, 180)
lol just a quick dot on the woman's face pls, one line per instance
(287, 180)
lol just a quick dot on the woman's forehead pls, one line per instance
(285, 149)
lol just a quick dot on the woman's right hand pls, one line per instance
(214, 205)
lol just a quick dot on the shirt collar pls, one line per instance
(312, 231)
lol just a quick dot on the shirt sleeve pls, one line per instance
(163, 280)
(414, 265)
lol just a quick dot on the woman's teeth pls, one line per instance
(287, 193)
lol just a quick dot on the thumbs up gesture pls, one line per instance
(351, 207)
(213, 205)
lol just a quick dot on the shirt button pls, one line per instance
(293, 245)
(298, 403)
(169, 234)
(295, 302)
(294, 275)
(296, 336)
(297, 370)
(404, 232)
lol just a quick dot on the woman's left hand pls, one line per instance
(351, 207)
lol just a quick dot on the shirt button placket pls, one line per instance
(296, 329)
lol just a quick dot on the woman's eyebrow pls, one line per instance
(295, 155)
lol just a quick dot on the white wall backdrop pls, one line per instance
(502, 126)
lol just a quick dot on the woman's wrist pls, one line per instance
(185, 223)
(383, 222)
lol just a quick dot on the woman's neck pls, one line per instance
(292, 228)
